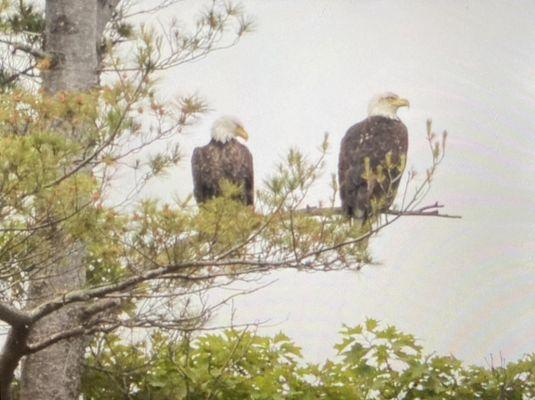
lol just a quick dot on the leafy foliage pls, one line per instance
(232, 365)
(373, 362)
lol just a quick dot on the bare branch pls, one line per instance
(151, 10)
(98, 307)
(431, 210)
(35, 52)
(68, 334)
(14, 349)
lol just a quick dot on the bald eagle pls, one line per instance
(372, 159)
(224, 158)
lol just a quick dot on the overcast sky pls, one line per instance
(466, 286)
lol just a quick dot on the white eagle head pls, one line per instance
(227, 128)
(386, 105)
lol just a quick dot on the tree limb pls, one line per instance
(71, 333)
(99, 292)
(13, 316)
(15, 348)
(35, 52)
(431, 210)
(98, 307)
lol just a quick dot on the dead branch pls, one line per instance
(432, 210)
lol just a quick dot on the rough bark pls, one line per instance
(14, 349)
(72, 30)
(71, 35)
(55, 372)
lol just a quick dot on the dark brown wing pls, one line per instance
(247, 175)
(372, 138)
(218, 161)
(237, 167)
(202, 167)
(349, 170)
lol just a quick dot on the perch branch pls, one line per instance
(432, 210)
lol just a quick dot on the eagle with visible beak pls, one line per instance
(372, 159)
(224, 158)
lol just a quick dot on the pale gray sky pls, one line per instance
(464, 287)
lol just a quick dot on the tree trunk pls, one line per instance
(71, 35)
(55, 372)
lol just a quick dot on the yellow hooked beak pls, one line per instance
(241, 132)
(401, 102)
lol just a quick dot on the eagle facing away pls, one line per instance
(224, 158)
(372, 158)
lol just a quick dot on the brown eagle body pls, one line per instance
(373, 139)
(218, 161)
